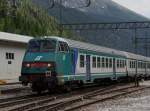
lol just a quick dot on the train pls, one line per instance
(51, 62)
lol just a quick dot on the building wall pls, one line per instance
(10, 67)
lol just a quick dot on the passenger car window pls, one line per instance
(110, 63)
(103, 62)
(94, 62)
(81, 61)
(117, 63)
(98, 62)
(106, 62)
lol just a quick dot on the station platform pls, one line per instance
(9, 81)
(12, 88)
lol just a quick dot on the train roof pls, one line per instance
(136, 56)
(88, 46)
(97, 48)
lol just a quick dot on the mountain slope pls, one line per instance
(27, 19)
(99, 11)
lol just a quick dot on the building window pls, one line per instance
(98, 62)
(94, 62)
(10, 56)
(81, 61)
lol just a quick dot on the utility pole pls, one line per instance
(146, 44)
(135, 37)
(60, 18)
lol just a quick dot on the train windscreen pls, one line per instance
(41, 45)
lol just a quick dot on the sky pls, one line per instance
(139, 6)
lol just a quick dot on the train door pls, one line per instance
(88, 68)
(114, 69)
(74, 59)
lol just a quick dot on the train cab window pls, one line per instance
(98, 62)
(94, 62)
(81, 61)
(48, 45)
(63, 47)
(41, 45)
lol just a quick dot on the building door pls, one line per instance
(9, 68)
(88, 68)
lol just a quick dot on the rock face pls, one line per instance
(98, 11)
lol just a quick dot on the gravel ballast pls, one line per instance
(138, 101)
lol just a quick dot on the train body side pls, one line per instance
(69, 64)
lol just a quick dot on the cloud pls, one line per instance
(139, 6)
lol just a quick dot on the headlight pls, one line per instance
(28, 65)
(49, 65)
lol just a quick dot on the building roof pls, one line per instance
(14, 37)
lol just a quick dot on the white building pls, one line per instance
(12, 49)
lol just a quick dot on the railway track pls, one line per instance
(15, 98)
(27, 101)
(70, 101)
(94, 98)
